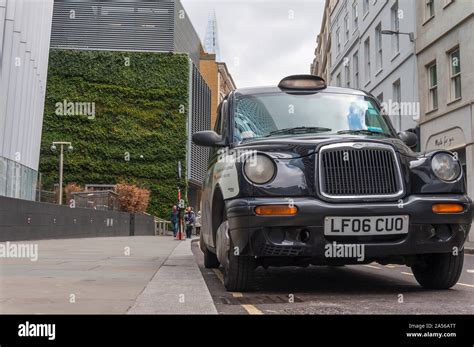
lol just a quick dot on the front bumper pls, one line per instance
(280, 236)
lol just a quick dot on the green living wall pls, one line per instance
(137, 132)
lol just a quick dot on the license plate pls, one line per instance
(360, 226)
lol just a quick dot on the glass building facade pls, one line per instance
(17, 180)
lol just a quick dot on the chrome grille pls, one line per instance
(358, 170)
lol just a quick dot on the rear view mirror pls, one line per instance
(207, 138)
(409, 138)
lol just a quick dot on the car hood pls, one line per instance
(290, 147)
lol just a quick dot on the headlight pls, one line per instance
(259, 169)
(445, 167)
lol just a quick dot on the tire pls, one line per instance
(439, 271)
(239, 275)
(210, 259)
(238, 270)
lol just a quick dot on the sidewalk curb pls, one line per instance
(177, 287)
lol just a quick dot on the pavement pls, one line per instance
(103, 275)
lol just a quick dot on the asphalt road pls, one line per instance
(355, 289)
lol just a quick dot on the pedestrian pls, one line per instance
(189, 219)
(197, 224)
(174, 218)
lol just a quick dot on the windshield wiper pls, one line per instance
(296, 130)
(363, 131)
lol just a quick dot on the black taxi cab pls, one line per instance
(306, 174)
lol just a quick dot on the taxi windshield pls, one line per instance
(277, 114)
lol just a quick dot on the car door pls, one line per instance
(222, 173)
(209, 182)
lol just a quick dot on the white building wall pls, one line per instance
(451, 125)
(25, 29)
(395, 66)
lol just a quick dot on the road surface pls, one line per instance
(358, 289)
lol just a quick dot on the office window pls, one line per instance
(355, 68)
(378, 46)
(347, 71)
(429, 9)
(432, 87)
(338, 40)
(338, 80)
(365, 6)
(355, 18)
(397, 100)
(346, 26)
(395, 27)
(367, 59)
(455, 72)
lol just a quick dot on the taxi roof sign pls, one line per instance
(302, 82)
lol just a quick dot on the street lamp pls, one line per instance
(396, 32)
(61, 162)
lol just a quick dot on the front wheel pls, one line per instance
(439, 271)
(210, 259)
(238, 270)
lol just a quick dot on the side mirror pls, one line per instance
(409, 138)
(207, 138)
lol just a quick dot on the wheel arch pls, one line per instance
(217, 211)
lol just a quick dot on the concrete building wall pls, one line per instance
(25, 28)
(396, 65)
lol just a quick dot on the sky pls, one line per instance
(261, 41)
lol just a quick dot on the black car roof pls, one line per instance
(334, 90)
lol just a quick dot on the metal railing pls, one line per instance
(105, 200)
(46, 196)
(162, 227)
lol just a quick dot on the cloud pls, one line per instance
(262, 41)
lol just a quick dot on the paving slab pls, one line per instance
(94, 275)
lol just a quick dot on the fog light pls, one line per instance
(276, 210)
(448, 208)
